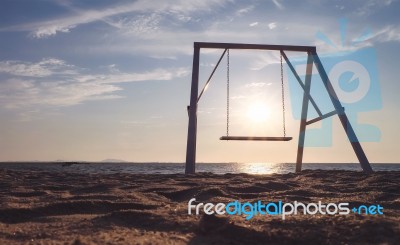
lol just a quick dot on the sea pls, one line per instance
(176, 168)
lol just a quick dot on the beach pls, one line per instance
(48, 207)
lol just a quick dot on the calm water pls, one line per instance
(170, 168)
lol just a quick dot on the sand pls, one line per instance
(59, 208)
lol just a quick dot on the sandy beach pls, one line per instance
(38, 207)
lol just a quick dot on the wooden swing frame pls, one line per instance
(312, 58)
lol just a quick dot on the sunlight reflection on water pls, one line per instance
(259, 168)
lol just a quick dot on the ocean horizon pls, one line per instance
(178, 168)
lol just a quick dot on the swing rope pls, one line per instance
(227, 93)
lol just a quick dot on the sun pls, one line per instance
(258, 113)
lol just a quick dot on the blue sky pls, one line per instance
(93, 80)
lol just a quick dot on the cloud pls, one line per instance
(278, 4)
(341, 7)
(154, 75)
(253, 24)
(49, 28)
(264, 60)
(387, 34)
(42, 84)
(370, 6)
(141, 24)
(44, 68)
(243, 11)
(20, 93)
(272, 25)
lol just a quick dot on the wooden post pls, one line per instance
(304, 112)
(192, 128)
(351, 135)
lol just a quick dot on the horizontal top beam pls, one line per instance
(255, 46)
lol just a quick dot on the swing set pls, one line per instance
(311, 59)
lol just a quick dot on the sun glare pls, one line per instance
(259, 168)
(258, 113)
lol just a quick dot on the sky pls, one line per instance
(94, 80)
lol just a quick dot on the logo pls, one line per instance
(249, 210)
(354, 76)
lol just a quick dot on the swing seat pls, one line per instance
(256, 138)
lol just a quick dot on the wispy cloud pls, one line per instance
(42, 84)
(370, 6)
(141, 24)
(264, 60)
(245, 10)
(253, 24)
(20, 93)
(52, 27)
(44, 68)
(278, 4)
(387, 34)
